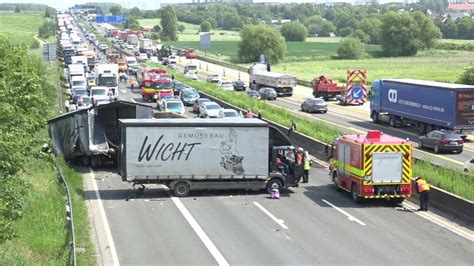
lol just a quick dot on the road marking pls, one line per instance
(197, 229)
(110, 240)
(278, 221)
(441, 221)
(350, 217)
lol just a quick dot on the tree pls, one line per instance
(294, 31)
(132, 23)
(467, 77)
(360, 35)
(205, 26)
(403, 34)
(169, 24)
(135, 12)
(350, 48)
(156, 28)
(371, 27)
(48, 12)
(261, 39)
(17, 9)
(231, 21)
(98, 10)
(115, 10)
(181, 28)
(346, 31)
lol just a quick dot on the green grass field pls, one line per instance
(20, 27)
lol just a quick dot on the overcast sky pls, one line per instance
(143, 4)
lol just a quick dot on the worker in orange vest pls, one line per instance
(423, 188)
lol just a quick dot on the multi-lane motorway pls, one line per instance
(312, 224)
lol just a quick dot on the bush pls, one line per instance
(467, 77)
(294, 31)
(205, 26)
(360, 35)
(46, 30)
(261, 39)
(13, 191)
(351, 48)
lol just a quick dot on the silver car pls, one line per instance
(311, 105)
(211, 110)
(267, 93)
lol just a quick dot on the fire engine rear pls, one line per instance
(372, 166)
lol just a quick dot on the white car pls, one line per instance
(172, 59)
(213, 78)
(226, 85)
(101, 95)
(211, 110)
(191, 75)
(231, 113)
(143, 56)
(469, 166)
(174, 106)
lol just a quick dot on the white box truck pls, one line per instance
(107, 76)
(145, 45)
(186, 154)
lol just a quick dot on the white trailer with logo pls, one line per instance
(186, 154)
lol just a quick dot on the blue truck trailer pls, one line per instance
(426, 105)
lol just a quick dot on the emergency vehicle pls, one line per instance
(372, 166)
(155, 83)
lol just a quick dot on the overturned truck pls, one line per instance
(90, 136)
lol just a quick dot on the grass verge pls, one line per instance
(448, 179)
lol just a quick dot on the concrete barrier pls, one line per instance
(459, 207)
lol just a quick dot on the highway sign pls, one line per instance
(262, 58)
(357, 93)
(49, 52)
(110, 19)
(205, 40)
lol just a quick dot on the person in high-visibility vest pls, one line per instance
(307, 166)
(423, 188)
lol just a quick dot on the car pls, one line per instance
(172, 59)
(86, 103)
(267, 93)
(143, 56)
(175, 106)
(161, 101)
(469, 166)
(154, 59)
(239, 85)
(190, 68)
(100, 95)
(214, 78)
(103, 47)
(211, 110)
(225, 84)
(440, 140)
(254, 94)
(197, 104)
(79, 92)
(231, 113)
(191, 75)
(189, 96)
(311, 105)
(178, 86)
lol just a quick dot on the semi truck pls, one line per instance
(145, 45)
(186, 154)
(426, 105)
(372, 166)
(107, 75)
(132, 39)
(260, 76)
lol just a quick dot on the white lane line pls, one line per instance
(113, 251)
(197, 229)
(350, 217)
(441, 221)
(133, 100)
(278, 221)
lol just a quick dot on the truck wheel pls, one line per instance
(181, 189)
(274, 182)
(375, 117)
(355, 193)
(422, 128)
(393, 121)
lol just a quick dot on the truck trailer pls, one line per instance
(186, 154)
(260, 76)
(426, 105)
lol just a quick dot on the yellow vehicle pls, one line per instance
(91, 57)
(91, 81)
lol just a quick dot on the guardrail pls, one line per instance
(439, 198)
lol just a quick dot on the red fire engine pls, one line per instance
(155, 83)
(372, 166)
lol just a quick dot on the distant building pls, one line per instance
(461, 7)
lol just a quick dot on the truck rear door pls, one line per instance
(387, 167)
